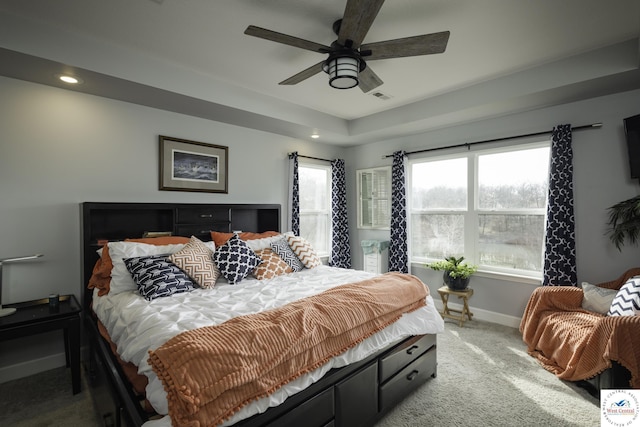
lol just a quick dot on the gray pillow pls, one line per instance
(597, 299)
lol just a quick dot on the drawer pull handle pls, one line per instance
(410, 349)
(206, 216)
(412, 375)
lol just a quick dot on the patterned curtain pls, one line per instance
(560, 247)
(398, 247)
(294, 194)
(340, 249)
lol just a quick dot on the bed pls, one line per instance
(354, 377)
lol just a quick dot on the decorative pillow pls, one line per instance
(121, 280)
(101, 274)
(304, 251)
(595, 298)
(221, 238)
(272, 265)
(282, 248)
(627, 300)
(157, 277)
(196, 259)
(235, 260)
(262, 243)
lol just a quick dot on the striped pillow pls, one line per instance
(282, 248)
(627, 300)
(304, 251)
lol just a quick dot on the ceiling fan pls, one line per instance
(346, 64)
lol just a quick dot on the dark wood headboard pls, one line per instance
(119, 221)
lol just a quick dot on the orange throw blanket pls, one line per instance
(576, 344)
(211, 372)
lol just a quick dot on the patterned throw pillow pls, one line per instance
(272, 265)
(282, 248)
(235, 260)
(627, 300)
(157, 277)
(304, 251)
(595, 298)
(196, 259)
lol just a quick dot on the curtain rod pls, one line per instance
(469, 144)
(310, 157)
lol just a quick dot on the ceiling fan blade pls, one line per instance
(274, 36)
(357, 19)
(303, 75)
(368, 80)
(426, 44)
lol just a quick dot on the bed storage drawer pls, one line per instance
(407, 380)
(201, 231)
(315, 412)
(357, 397)
(202, 215)
(403, 354)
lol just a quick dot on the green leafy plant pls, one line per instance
(455, 267)
(624, 222)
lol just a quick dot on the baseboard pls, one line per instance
(486, 315)
(32, 367)
(35, 366)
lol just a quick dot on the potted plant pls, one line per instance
(456, 273)
(624, 222)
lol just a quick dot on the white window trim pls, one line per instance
(472, 212)
(327, 211)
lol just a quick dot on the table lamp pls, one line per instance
(8, 311)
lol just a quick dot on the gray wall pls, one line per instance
(601, 179)
(61, 148)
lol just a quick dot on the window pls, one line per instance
(315, 206)
(374, 198)
(487, 206)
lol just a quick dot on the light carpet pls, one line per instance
(486, 378)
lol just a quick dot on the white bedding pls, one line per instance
(137, 325)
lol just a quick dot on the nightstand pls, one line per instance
(444, 292)
(34, 317)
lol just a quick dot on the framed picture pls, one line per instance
(193, 166)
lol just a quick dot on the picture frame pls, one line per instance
(193, 166)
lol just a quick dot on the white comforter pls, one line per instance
(137, 325)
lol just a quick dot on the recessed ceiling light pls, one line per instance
(315, 136)
(69, 79)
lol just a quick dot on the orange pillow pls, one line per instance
(159, 241)
(101, 275)
(221, 238)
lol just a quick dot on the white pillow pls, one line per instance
(121, 280)
(265, 242)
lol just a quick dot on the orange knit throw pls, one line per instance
(576, 344)
(211, 372)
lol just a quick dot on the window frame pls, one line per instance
(324, 211)
(472, 211)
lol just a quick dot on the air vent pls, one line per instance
(381, 95)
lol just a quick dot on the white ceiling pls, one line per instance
(503, 56)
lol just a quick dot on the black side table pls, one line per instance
(34, 317)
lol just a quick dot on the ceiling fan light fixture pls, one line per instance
(343, 71)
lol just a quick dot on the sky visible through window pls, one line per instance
(520, 167)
